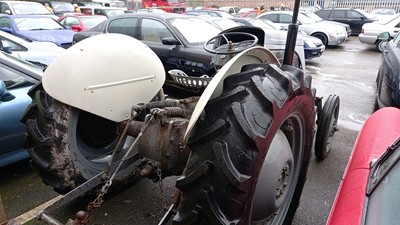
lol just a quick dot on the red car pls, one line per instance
(370, 189)
(81, 22)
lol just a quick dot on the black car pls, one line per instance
(388, 78)
(176, 39)
(356, 18)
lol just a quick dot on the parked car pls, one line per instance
(251, 13)
(387, 81)
(61, 8)
(356, 18)
(370, 31)
(176, 38)
(318, 19)
(230, 9)
(313, 47)
(329, 34)
(81, 22)
(33, 51)
(217, 13)
(37, 28)
(105, 11)
(23, 8)
(243, 11)
(16, 78)
(383, 13)
(369, 190)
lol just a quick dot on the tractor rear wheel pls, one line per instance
(69, 146)
(251, 153)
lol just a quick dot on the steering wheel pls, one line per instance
(231, 47)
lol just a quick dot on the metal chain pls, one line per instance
(99, 200)
(160, 183)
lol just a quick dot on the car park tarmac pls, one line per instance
(348, 71)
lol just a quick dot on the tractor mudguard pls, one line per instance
(110, 77)
(215, 87)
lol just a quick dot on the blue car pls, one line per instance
(37, 28)
(16, 78)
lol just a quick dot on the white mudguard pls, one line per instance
(105, 75)
(215, 87)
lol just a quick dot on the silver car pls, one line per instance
(329, 34)
(36, 52)
(370, 31)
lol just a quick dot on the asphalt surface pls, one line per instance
(348, 71)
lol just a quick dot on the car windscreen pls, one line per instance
(91, 21)
(26, 8)
(62, 7)
(37, 23)
(314, 17)
(194, 30)
(114, 12)
(392, 19)
(304, 19)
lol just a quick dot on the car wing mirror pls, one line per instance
(76, 28)
(362, 18)
(385, 36)
(5, 96)
(170, 41)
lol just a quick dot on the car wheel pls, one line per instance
(70, 146)
(380, 45)
(322, 37)
(250, 154)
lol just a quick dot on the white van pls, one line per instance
(112, 3)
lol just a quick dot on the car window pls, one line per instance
(69, 21)
(37, 23)
(284, 18)
(339, 14)
(252, 14)
(5, 22)
(272, 17)
(126, 26)
(396, 39)
(323, 13)
(354, 15)
(4, 7)
(153, 31)
(12, 45)
(13, 78)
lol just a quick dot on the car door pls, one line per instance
(152, 32)
(356, 20)
(12, 107)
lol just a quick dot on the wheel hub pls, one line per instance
(275, 178)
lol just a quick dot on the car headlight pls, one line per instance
(310, 44)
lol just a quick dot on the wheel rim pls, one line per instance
(275, 190)
(92, 141)
(331, 130)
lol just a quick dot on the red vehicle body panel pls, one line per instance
(380, 130)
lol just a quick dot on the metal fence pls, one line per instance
(366, 5)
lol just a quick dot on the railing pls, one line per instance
(366, 5)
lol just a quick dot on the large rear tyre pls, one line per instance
(250, 154)
(69, 146)
(327, 126)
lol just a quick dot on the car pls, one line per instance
(243, 11)
(37, 28)
(383, 13)
(216, 13)
(318, 19)
(16, 78)
(356, 18)
(313, 47)
(33, 51)
(230, 9)
(23, 8)
(176, 38)
(329, 34)
(370, 31)
(369, 190)
(251, 13)
(105, 11)
(387, 80)
(61, 8)
(81, 22)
